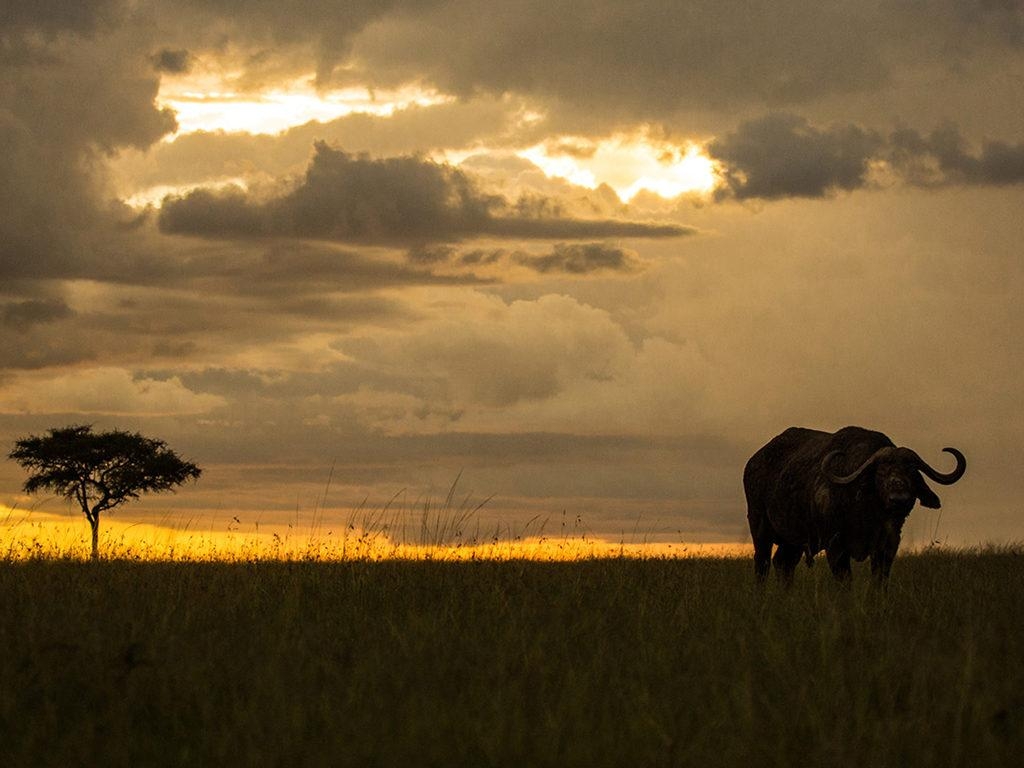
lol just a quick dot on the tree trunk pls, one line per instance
(95, 525)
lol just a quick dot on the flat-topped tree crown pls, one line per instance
(99, 470)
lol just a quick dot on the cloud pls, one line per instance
(575, 259)
(21, 315)
(53, 16)
(943, 158)
(583, 259)
(287, 271)
(394, 200)
(783, 155)
(655, 59)
(204, 156)
(267, 36)
(112, 391)
(175, 62)
(76, 92)
(507, 353)
(595, 62)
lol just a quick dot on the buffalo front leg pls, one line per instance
(881, 564)
(885, 551)
(786, 559)
(839, 562)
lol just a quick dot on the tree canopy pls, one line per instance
(99, 470)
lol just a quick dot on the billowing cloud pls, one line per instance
(522, 351)
(655, 59)
(783, 155)
(113, 391)
(597, 61)
(393, 200)
(944, 157)
(73, 92)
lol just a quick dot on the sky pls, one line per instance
(585, 257)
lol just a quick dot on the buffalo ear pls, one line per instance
(926, 495)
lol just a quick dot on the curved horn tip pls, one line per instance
(947, 478)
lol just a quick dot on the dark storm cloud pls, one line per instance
(269, 28)
(37, 350)
(79, 97)
(290, 271)
(345, 198)
(393, 200)
(482, 256)
(655, 58)
(783, 155)
(21, 315)
(579, 229)
(592, 62)
(575, 259)
(447, 254)
(52, 16)
(172, 61)
(430, 254)
(944, 157)
(583, 259)
(36, 333)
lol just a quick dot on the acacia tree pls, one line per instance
(99, 470)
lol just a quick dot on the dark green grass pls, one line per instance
(598, 662)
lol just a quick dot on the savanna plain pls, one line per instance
(626, 661)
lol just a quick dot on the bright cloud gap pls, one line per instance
(628, 164)
(204, 104)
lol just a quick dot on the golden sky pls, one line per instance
(591, 255)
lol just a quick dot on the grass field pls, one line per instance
(625, 662)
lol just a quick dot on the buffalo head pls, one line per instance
(896, 476)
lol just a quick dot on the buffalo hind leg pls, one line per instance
(786, 559)
(763, 537)
(762, 559)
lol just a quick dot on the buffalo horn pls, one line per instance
(947, 478)
(846, 479)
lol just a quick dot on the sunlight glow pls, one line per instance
(561, 167)
(204, 103)
(628, 164)
(26, 533)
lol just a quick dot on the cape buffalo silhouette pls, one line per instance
(847, 492)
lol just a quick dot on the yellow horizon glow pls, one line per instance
(27, 534)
